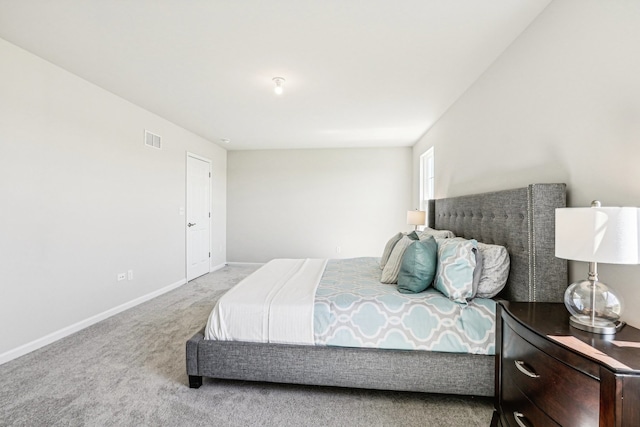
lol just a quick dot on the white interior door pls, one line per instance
(198, 216)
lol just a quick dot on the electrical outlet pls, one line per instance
(121, 276)
(130, 275)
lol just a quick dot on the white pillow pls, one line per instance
(437, 234)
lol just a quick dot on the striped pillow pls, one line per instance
(388, 248)
(392, 267)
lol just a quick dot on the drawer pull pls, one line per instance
(521, 367)
(519, 419)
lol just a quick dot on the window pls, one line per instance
(426, 178)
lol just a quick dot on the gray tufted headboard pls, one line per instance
(522, 220)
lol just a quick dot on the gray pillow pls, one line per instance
(388, 248)
(418, 267)
(438, 234)
(495, 269)
(392, 267)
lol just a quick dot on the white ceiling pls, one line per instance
(374, 73)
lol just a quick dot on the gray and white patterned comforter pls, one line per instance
(353, 309)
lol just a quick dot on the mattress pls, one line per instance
(349, 307)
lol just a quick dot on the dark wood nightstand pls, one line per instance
(550, 374)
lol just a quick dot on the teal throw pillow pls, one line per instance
(413, 236)
(418, 266)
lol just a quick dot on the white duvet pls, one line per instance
(274, 304)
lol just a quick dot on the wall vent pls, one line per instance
(152, 140)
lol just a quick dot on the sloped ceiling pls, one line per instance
(373, 73)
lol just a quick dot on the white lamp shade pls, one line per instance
(598, 234)
(416, 217)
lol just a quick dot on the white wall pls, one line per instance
(83, 199)
(562, 104)
(305, 203)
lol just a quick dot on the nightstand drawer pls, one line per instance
(568, 396)
(516, 405)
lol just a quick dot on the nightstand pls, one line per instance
(550, 374)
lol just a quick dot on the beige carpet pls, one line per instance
(129, 370)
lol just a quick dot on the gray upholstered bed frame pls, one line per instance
(522, 220)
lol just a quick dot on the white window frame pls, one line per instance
(427, 178)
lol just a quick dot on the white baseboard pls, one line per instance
(55, 336)
(217, 267)
(245, 263)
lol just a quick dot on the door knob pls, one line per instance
(191, 224)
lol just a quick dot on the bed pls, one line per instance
(522, 220)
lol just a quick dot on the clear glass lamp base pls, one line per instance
(594, 307)
(597, 326)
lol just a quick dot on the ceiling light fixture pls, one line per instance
(279, 81)
(225, 140)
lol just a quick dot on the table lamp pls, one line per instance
(416, 218)
(596, 234)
